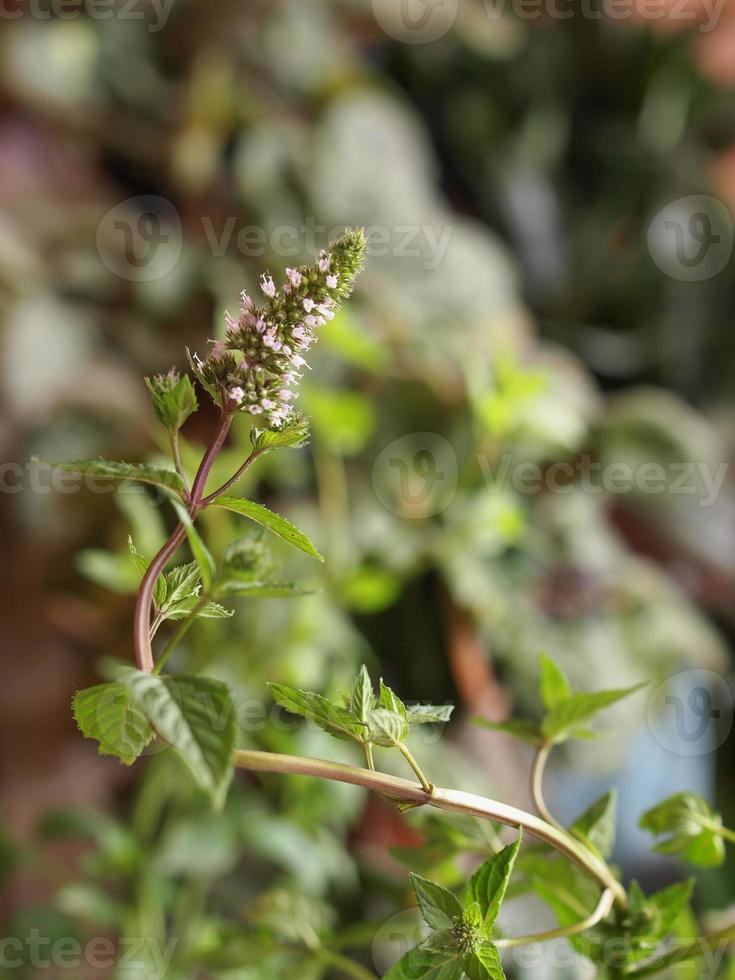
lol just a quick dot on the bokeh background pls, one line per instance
(548, 190)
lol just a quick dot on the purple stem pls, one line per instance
(144, 600)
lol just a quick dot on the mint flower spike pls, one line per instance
(260, 362)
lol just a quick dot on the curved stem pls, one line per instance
(702, 947)
(142, 617)
(537, 779)
(603, 907)
(443, 799)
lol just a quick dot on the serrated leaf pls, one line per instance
(596, 826)
(108, 714)
(273, 522)
(182, 582)
(293, 434)
(387, 728)
(562, 720)
(484, 964)
(389, 700)
(196, 716)
(210, 610)
(519, 728)
(202, 556)
(438, 906)
(426, 963)
(554, 685)
(651, 918)
(314, 707)
(105, 469)
(490, 882)
(692, 826)
(428, 714)
(362, 698)
(174, 398)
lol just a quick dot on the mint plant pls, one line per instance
(255, 371)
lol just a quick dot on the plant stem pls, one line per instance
(368, 749)
(346, 965)
(700, 947)
(142, 618)
(179, 634)
(176, 454)
(443, 799)
(537, 779)
(427, 786)
(218, 441)
(234, 478)
(603, 907)
(717, 828)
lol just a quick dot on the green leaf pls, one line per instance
(104, 469)
(692, 826)
(387, 728)
(196, 716)
(554, 685)
(182, 582)
(174, 398)
(266, 518)
(428, 714)
(651, 918)
(210, 610)
(293, 434)
(362, 697)
(519, 728)
(389, 700)
(490, 882)
(484, 964)
(560, 723)
(201, 553)
(425, 962)
(314, 707)
(108, 714)
(568, 892)
(596, 826)
(438, 906)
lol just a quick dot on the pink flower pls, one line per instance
(309, 304)
(294, 276)
(218, 348)
(255, 410)
(268, 286)
(332, 282)
(247, 303)
(237, 394)
(324, 262)
(285, 395)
